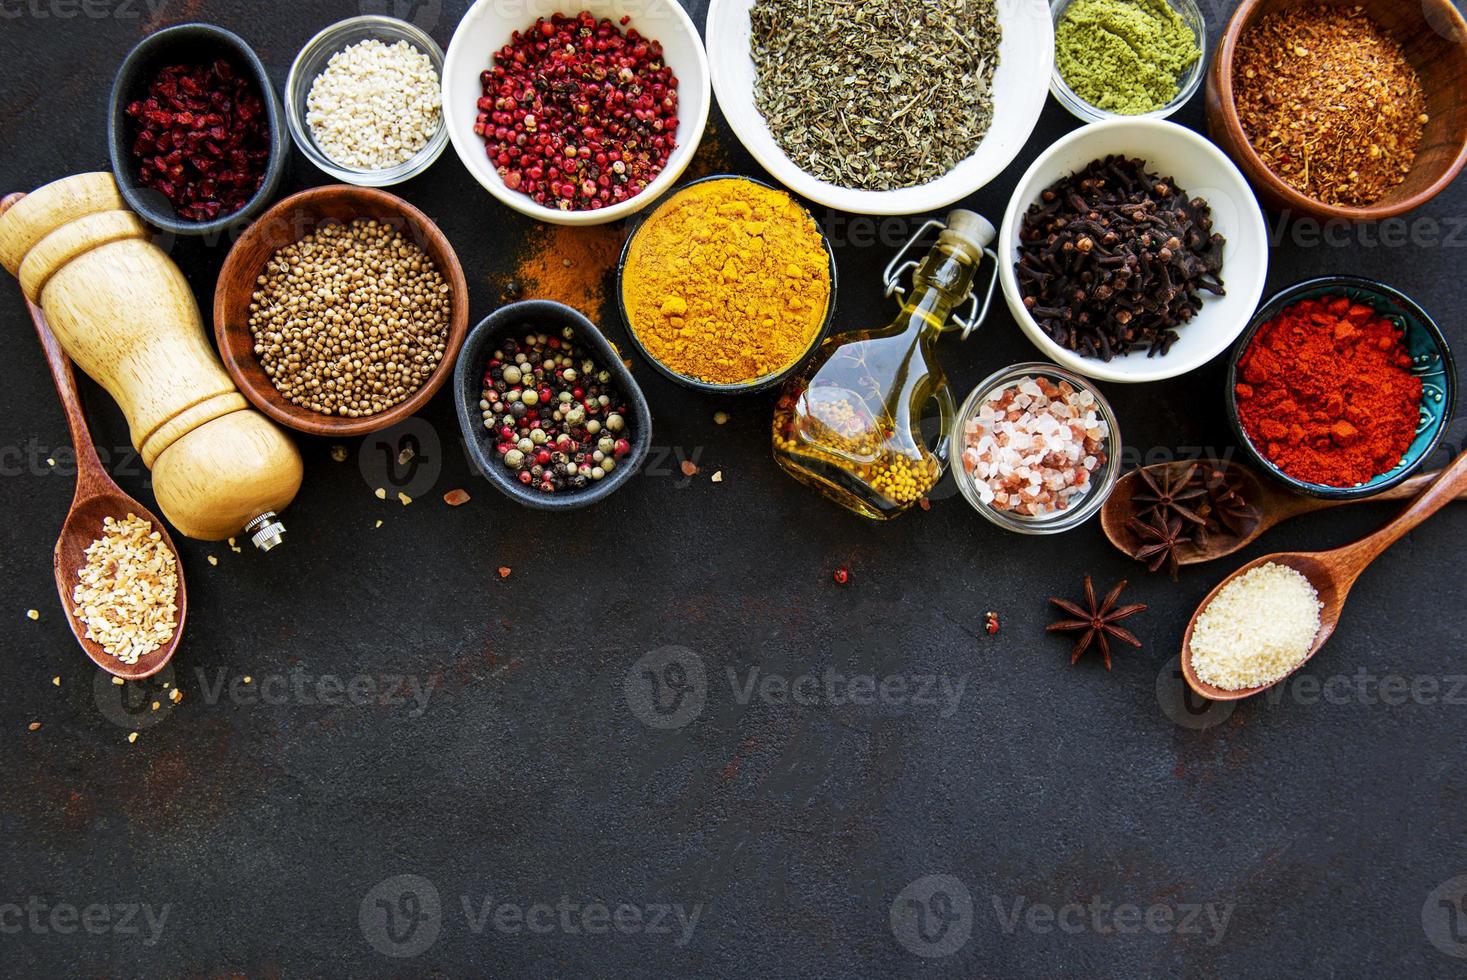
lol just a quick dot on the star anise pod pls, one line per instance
(1098, 623)
(1162, 536)
(1227, 508)
(1174, 491)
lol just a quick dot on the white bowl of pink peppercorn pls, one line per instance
(600, 179)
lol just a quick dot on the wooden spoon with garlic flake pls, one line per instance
(97, 498)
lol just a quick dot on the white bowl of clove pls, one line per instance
(896, 108)
(1133, 250)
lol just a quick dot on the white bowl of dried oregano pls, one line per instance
(900, 107)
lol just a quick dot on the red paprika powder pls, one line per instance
(1325, 392)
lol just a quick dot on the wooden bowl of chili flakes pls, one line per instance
(1273, 51)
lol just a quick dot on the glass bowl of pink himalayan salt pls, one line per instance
(1036, 449)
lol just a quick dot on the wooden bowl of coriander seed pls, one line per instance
(341, 311)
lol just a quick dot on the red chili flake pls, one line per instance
(202, 139)
(578, 115)
(456, 498)
(841, 575)
(990, 622)
(689, 468)
(504, 571)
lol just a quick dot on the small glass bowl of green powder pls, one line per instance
(1126, 58)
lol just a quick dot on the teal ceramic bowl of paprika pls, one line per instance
(1431, 361)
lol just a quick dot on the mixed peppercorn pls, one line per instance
(578, 115)
(202, 140)
(559, 422)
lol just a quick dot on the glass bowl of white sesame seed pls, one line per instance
(363, 101)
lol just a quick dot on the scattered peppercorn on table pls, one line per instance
(714, 724)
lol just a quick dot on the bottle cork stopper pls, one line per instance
(969, 231)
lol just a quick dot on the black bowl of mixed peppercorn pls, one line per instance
(550, 413)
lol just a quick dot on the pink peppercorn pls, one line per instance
(578, 115)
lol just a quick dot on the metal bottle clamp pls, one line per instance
(897, 268)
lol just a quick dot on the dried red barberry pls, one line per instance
(578, 115)
(202, 139)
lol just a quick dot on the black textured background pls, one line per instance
(264, 827)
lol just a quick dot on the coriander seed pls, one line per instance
(350, 320)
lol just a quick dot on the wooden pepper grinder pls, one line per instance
(126, 316)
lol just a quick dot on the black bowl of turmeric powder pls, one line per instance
(727, 285)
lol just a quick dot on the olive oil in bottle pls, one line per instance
(849, 424)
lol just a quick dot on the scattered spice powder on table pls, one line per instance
(570, 265)
(711, 157)
(1326, 393)
(1330, 102)
(727, 282)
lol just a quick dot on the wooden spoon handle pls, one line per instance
(1446, 487)
(1297, 504)
(89, 469)
(1409, 488)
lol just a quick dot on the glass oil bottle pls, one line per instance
(849, 424)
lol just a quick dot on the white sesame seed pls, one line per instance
(375, 105)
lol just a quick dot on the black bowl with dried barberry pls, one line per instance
(550, 414)
(196, 131)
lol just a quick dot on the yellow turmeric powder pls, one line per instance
(727, 282)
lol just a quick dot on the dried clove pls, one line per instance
(1113, 259)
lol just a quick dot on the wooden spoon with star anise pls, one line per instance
(1186, 513)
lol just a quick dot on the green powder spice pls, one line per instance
(1124, 56)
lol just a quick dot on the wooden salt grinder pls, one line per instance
(126, 316)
